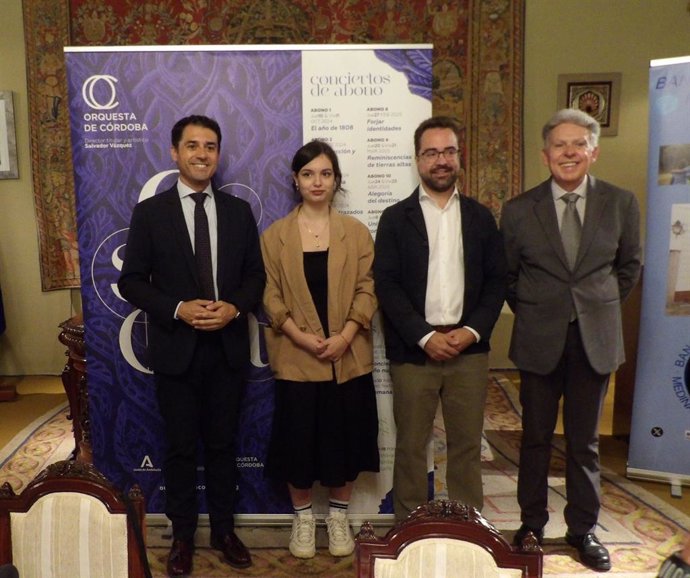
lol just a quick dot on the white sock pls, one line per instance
(303, 510)
(339, 506)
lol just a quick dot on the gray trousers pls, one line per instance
(583, 392)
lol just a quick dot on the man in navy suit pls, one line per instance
(567, 337)
(440, 277)
(198, 339)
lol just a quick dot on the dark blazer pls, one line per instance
(401, 265)
(159, 271)
(541, 287)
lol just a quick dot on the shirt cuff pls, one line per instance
(473, 332)
(423, 340)
(177, 309)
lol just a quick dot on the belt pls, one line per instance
(444, 328)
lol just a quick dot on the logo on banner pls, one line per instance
(681, 383)
(99, 92)
(92, 99)
(146, 465)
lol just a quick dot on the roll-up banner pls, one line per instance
(660, 436)
(269, 100)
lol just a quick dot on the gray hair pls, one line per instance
(573, 116)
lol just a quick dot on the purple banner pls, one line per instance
(123, 104)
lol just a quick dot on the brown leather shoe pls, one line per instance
(180, 558)
(527, 537)
(234, 551)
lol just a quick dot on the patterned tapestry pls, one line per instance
(477, 78)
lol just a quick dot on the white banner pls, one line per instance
(660, 437)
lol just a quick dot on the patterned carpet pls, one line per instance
(268, 563)
(639, 529)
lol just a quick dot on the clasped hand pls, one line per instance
(445, 346)
(330, 349)
(207, 315)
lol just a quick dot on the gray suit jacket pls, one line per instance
(541, 287)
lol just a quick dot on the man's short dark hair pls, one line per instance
(195, 119)
(437, 122)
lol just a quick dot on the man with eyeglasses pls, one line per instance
(440, 277)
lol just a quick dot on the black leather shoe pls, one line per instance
(523, 533)
(593, 553)
(180, 558)
(234, 551)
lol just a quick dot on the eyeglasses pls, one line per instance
(431, 155)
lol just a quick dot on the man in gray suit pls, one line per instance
(573, 251)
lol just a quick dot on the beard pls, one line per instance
(440, 179)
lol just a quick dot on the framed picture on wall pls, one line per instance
(597, 94)
(8, 139)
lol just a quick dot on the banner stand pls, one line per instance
(365, 100)
(660, 431)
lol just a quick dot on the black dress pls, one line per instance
(323, 431)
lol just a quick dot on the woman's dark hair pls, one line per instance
(309, 152)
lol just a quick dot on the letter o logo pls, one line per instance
(88, 89)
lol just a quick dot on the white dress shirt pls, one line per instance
(445, 287)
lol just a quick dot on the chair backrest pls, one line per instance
(71, 522)
(443, 539)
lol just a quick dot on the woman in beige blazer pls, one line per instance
(319, 299)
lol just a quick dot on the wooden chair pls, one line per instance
(71, 522)
(443, 539)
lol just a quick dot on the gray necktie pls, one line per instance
(571, 228)
(202, 248)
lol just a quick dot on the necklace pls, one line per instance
(317, 235)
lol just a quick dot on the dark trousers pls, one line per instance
(583, 391)
(201, 405)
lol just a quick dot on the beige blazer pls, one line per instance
(350, 296)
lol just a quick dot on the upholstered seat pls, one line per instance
(443, 539)
(71, 522)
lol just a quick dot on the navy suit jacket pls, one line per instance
(401, 265)
(542, 289)
(159, 271)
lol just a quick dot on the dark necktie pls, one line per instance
(571, 228)
(202, 248)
